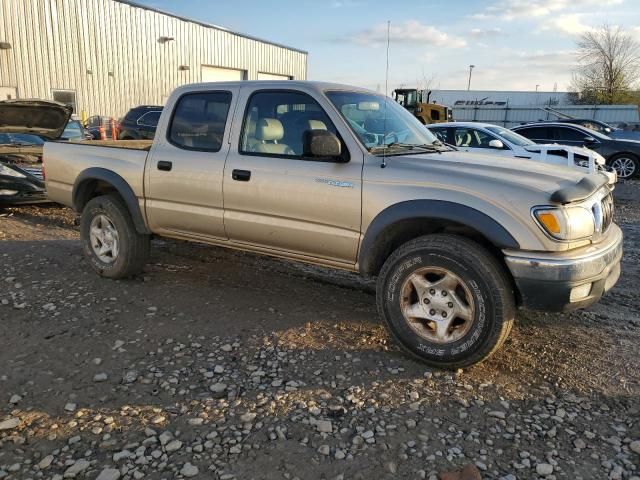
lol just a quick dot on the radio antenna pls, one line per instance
(386, 92)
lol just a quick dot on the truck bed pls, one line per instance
(64, 163)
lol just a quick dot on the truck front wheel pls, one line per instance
(446, 300)
(110, 240)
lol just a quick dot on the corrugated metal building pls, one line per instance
(106, 56)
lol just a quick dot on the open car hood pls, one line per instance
(39, 117)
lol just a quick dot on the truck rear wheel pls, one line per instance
(110, 240)
(446, 300)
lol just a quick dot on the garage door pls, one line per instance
(218, 74)
(272, 76)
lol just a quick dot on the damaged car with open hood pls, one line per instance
(25, 125)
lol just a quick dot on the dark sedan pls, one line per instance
(621, 155)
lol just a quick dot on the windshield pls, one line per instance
(511, 137)
(72, 130)
(365, 114)
(20, 139)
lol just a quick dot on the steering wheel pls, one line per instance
(392, 136)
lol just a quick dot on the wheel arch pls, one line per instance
(96, 181)
(405, 221)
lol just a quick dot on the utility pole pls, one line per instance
(471, 67)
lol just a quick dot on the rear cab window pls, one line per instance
(199, 121)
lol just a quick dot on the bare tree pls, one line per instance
(608, 65)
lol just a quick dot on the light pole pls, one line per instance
(471, 67)
(537, 87)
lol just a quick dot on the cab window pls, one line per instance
(199, 120)
(275, 123)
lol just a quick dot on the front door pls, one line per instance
(185, 167)
(278, 199)
(478, 141)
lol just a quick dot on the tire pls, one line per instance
(130, 250)
(482, 293)
(626, 165)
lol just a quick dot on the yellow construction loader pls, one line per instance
(411, 99)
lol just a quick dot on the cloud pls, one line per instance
(409, 32)
(569, 24)
(541, 67)
(518, 9)
(485, 33)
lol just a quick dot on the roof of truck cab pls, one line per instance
(278, 84)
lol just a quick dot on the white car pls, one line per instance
(491, 139)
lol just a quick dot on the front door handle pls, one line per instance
(241, 175)
(164, 165)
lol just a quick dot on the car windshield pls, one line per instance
(511, 137)
(72, 130)
(20, 139)
(382, 125)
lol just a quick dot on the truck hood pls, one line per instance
(39, 117)
(499, 174)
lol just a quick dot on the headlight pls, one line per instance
(4, 170)
(566, 223)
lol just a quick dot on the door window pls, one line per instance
(440, 133)
(275, 123)
(534, 133)
(149, 119)
(472, 138)
(568, 134)
(199, 120)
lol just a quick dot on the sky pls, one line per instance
(514, 44)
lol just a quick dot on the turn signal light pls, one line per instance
(550, 222)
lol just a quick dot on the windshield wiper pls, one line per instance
(425, 147)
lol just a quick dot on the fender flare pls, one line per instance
(429, 210)
(84, 179)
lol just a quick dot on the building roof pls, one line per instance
(208, 25)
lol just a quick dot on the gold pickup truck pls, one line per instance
(347, 178)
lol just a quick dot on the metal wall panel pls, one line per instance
(107, 51)
(510, 117)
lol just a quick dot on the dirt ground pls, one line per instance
(220, 364)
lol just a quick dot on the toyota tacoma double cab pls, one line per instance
(346, 178)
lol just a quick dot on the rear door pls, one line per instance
(186, 164)
(277, 199)
(537, 134)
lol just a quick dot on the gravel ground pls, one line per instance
(223, 365)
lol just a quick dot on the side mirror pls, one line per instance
(589, 140)
(321, 144)
(497, 144)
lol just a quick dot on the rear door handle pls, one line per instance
(241, 175)
(164, 165)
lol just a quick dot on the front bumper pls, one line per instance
(568, 280)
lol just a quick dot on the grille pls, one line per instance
(607, 212)
(36, 172)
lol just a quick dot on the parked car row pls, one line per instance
(561, 143)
